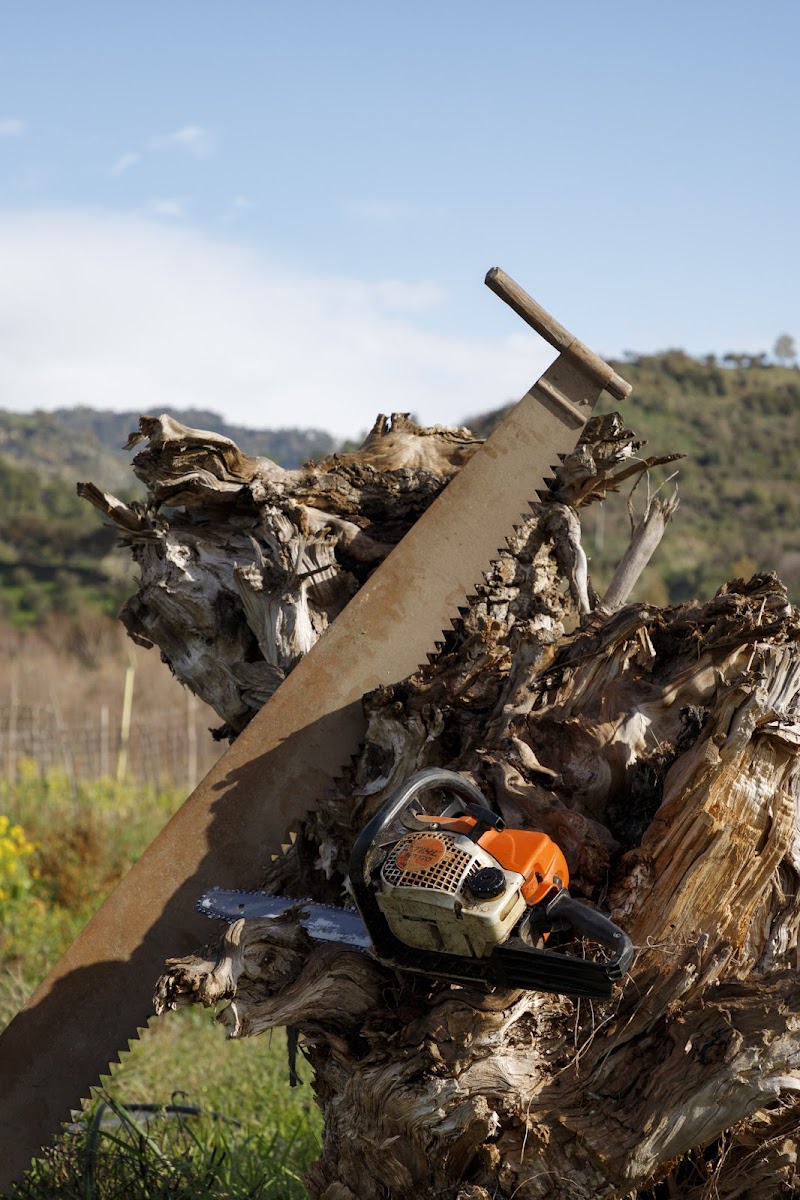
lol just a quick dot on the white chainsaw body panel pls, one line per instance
(424, 897)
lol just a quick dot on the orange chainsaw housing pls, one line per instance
(532, 855)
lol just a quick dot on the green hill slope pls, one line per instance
(55, 554)
(51, 449)
(739, 428)
(289, 447)
(87, 443)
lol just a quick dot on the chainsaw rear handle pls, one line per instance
(595, 925)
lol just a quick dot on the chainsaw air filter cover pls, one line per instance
(442, 891)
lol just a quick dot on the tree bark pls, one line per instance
(658, 747)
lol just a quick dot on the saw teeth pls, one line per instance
(107, 1075)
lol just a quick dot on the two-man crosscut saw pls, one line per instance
(99, 995)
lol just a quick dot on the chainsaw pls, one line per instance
(458, 897)
(98, 997)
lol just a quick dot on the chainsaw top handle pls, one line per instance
(399, 801)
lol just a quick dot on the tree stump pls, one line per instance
(658, 747)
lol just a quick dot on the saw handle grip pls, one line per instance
(548, 327)
(595, 925)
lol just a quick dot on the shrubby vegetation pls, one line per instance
(53, 550)
(227, 1124)
(64, 843)
(740, 506)
(17, 877)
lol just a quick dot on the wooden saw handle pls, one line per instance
(559, 337)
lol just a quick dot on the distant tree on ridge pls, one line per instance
(785, 349)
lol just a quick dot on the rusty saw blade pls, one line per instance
(99, 995)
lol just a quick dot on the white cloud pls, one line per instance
(193, 138)
(128, 313)
(400, 294)
(238, 205)
(11, 127)
(125, 162)
(383, 212)
(170, 206)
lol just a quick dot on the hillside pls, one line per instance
(55, 556)
(87, 443)
(289, 447)
(51, 448)
(740, 501)
(54, 553)
(739, 427)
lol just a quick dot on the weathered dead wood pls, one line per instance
(646, 536)
(658, 747)
(244, 564)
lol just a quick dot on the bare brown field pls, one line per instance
(80, 696)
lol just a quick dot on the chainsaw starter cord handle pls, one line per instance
(595, 925)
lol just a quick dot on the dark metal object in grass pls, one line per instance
(111, 1115)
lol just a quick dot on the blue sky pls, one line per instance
(285, 212)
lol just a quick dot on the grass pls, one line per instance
(221, 1119)
(249, 1134)
(182, 1158)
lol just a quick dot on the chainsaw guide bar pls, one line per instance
(323, 922)
(99, 995)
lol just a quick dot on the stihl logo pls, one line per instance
(421, 854)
